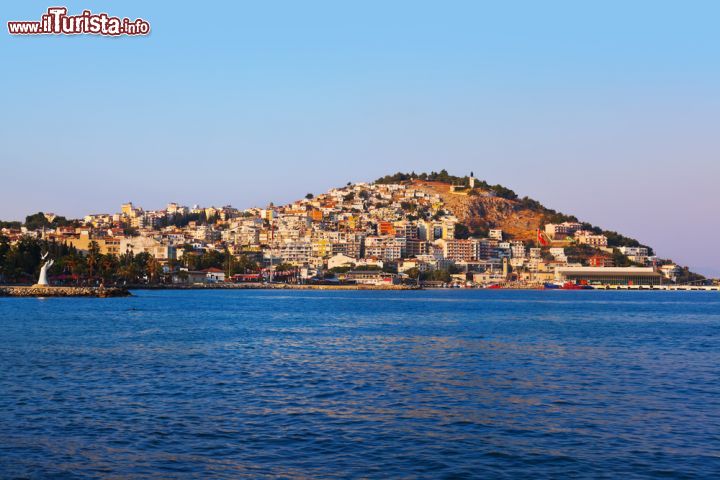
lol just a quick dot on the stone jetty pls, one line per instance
(50, 291)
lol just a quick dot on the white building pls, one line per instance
(495, 234)
(149, 245)
(296, 253)
(558, 254)
(670, 271)
(385, 248)
(584, 237)
(635, 254)
(340, 260)
(517, 249)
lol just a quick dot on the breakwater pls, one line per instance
(50, 291)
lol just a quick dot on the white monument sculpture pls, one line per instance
(43, 270)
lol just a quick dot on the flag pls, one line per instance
(542, 239)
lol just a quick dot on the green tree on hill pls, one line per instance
(10, 224)
(38, 220)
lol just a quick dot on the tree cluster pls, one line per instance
(21, 262)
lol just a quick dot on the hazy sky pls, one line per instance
(606, 110)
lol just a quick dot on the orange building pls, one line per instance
(386, 228)
(316, 215)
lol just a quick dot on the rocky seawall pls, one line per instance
(48, 291)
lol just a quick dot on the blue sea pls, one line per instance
(361, 384)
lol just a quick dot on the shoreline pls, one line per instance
(271, 286)
(28, 291)
(287, 286)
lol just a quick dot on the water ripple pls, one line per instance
(449, 384)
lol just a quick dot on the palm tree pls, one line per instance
(128, 272)
(153, 269)
(107, 266)
(76, 263)
(93, 258)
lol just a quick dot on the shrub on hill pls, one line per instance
(444, 177)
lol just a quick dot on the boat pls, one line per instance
(576, 286)
(550, 286)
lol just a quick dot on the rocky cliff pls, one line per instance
(480, 210)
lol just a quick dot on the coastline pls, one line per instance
(270, 286)
(27, 291)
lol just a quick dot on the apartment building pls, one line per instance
(584, 237)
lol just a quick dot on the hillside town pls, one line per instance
(362, 234)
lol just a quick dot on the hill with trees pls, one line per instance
(489, 206)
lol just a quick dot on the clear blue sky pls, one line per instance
(608, 110)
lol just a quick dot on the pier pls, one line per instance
(706, 288)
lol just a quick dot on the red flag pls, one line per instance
(541, 238)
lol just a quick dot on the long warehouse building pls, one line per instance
(609, 275)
